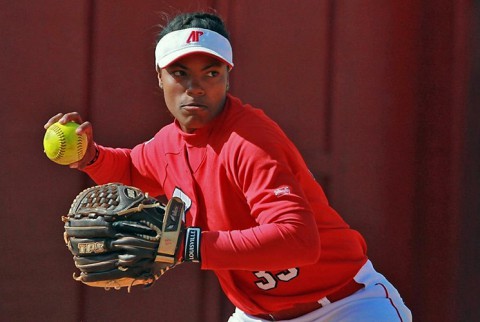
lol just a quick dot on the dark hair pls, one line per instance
(195, 20)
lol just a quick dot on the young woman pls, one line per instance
(278, 249)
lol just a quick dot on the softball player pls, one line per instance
(279, 250)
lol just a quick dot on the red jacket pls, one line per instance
(269, 233)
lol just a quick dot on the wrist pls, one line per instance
(96, 155)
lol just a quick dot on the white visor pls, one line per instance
(180, 43)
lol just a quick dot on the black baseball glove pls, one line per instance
(120, 237)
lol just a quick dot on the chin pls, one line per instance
(190, 127)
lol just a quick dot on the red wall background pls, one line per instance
(380, 97)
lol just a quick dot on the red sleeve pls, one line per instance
(127, 166)
(112, 165)
(269, 175)
(275, 246)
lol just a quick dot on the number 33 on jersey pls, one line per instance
(268, 280)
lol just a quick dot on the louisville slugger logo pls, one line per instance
(194, 36)
(192, 244)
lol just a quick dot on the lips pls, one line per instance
(193, 106)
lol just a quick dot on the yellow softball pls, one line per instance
(62, 145)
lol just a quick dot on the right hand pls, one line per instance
(84, 128)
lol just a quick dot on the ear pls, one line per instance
(160, 83)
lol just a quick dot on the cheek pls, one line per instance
(220, 89)
(169, 98)
(171, 89)
(172, 97)
(220, 85)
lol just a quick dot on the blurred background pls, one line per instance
(380, 96)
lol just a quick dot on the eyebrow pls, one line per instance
(216, 63)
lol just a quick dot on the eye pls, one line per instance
(212, 73)
(178, 73)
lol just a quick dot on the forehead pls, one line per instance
(197, 59)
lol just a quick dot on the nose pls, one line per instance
(194, 87)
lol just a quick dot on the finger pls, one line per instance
(89, 155)
(71, 117)
(53, 119)
(75, 165)
(87, 129)
(84, 128)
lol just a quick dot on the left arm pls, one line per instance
(287, 233)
